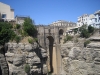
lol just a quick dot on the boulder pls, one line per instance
(74, 53)
(18, 60)
(64, 52)
(35, 60)
(9, 57)
(45, 69)
(21, 46)
(31, 55)
(15, 45)
(43, 53)
(28, 48)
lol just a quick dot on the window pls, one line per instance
(3, 15)
(98, 14)
(95, 19)
(99, 18)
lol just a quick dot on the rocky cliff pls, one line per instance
(21, 54)
(81, 61)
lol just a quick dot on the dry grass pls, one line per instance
(25, 39)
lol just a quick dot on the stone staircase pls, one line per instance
(3, 64)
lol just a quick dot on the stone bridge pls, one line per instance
(50, 38)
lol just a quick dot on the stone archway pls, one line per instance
(61, 35)
(52, 68)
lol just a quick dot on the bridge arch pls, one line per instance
(61, 31)
(50, 53)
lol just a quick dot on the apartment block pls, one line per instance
(92, 19)
(6, 12)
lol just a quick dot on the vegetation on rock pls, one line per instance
(18, 26)
(30, 40)
(86, 43)
(29, 27)
(17, 38)
(68, 38)
(27, 68)
(6, 32)
(85, 31)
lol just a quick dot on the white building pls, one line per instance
(83, 20)
(6, 12)
(63, 23)
(92, 19)
(20, 19)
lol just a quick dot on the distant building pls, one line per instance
(6, 12)
(82, 20)
(92, 19)
(20, 19)
(63, 23)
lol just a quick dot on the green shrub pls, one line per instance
(23, 33)
(29, 27)
(68, 38)
(76, 40)
(90, 29)
(6, 33)
(30, 40)
(86, 42)
(17, 26)
(17, 39)
(27, 68)
(36, 39)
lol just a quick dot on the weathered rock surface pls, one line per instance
(18, 55)
(81, 61)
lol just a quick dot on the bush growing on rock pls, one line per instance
(6, 32)
(17, 26)
(27, 68)
(86, 31)
(68, 38)
(36, 39)
(17, 39)
(90, 29)
(29, 27)
(30, 40)
(86, 42)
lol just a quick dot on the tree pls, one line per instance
(84, 31)
(29, 27)
(6, 32)
(90, 29)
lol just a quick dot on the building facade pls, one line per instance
(6, 12)
(20, 19)
(92, 19)
(63, 23)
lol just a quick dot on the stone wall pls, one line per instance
(18, 55)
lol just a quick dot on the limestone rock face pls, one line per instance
(9, 57)
(18, 60)
(81, 61)
(43, 52)
(18, 55)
